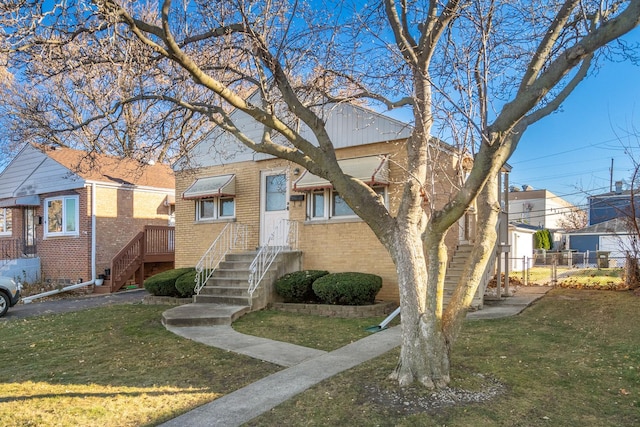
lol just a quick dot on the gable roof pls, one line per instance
(39, 170)
(109, 169)
(348, 125)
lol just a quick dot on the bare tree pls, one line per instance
(572, 220)
(86, 91)
(479, 72)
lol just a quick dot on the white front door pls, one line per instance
(274, 208)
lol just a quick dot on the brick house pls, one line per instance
(66, 215)
(222, 184)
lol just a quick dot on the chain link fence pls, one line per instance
(546, 268)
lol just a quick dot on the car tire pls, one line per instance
(4, 303)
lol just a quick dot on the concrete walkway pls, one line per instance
(305, 367)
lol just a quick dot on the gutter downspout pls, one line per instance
(93, 231)
(29, 299)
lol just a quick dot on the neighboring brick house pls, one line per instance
(73, 212)
(222, 182)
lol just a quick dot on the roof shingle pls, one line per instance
(104, 168)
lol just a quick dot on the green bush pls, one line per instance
(347, 288)
(296, 287)
(164, 284)
(186, 283)
(542, 239)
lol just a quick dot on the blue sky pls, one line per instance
(569, 152)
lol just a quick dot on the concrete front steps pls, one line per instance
(225, 297)
(454, 271)
(229, 283)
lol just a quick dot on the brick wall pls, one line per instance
(337, 245)
(194, 238)
(121, 213)
(67, 258)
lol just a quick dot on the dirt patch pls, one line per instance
(414, 400)
(513, 281)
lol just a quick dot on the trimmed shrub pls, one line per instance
(296, 287)
(164, 284)
(347, 288)
(186, 283)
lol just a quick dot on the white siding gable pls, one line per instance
(347, 126)
(33, 172)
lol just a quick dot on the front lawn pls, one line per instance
(572, 359)
(112, 366)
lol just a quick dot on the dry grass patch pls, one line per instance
(593, 278)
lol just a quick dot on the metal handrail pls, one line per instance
(233, 236)
(286, 232)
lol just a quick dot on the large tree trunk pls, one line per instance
(424, 356)
(428, 334)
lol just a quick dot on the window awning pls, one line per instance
(33, 200)
(211, 186)
(371, 170)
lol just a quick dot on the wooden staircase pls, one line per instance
(149, 252)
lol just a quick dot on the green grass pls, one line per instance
(322, 333)
(572, 359)
(538, 275)
(113, 366)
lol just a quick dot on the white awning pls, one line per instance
(33, 200)
(211, 186)
(371, 170)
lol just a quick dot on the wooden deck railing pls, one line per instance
(154, 244)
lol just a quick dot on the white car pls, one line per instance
(9, 294)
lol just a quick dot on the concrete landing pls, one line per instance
(203, 314)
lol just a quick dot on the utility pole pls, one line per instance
(611, 177)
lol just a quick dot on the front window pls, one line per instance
(317, 204)
(227, 207)
(328, 204)
(340, 207)
(215, 208)
(61, 216)
(5, 221)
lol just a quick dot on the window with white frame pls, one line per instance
(215, 208)
(62, 216)
(5, 222)
(327, 204)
